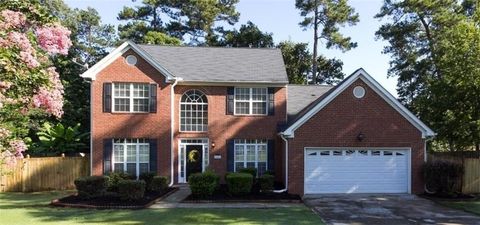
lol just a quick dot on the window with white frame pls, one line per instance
(251, 154)
(251, 101)
(131, 97)
(131, 156)
(194, 111)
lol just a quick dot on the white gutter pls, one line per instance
(286, 166)
(172, 125)
(91, 127)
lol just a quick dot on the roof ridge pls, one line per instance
(209, 47)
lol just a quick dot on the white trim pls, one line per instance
(408, 155)
(191, 103)
(130, 98)
(95, 69)
(233, 83)
(204, 142)
(91, 130)
(364, 76)
(250, 101)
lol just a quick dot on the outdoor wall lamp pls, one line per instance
(213, 145)
(360, 136)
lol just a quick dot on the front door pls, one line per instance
(194, 159)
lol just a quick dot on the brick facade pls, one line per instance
(339, 123)
(336, 125)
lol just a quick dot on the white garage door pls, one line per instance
(356, 171)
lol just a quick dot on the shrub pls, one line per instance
(159, 184)
(266, 182)
(252, 171)
(239, 183)
(443, 177)
(147, 177)
(115, 178)
(131, 190)
(203, 184)
(91, 186)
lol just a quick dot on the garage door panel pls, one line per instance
(356, 171)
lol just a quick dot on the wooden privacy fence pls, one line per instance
(43, 174)
(471, 178)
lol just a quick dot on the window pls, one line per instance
(131, 97)
(251, 101)
(251, 154)
(193, 111)
(131, 156)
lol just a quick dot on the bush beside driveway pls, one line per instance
(19, 208)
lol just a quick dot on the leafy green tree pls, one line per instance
(326, 17)
(249, 35)
(435, 47)
(159, 38)
(298, 63)
(192, 19)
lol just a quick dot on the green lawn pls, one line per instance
(18, 208)
(469, 206)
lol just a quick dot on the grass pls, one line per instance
(469, 206)
(19, 208)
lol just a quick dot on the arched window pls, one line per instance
(193, 111)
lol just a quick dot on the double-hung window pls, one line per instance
(131, 156)
(251, 154)
(131, 97)
(251, 101)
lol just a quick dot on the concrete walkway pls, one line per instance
(175, 199)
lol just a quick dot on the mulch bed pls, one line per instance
(112, 202)
(222, 195)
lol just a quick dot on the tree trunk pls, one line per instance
(477, 149)
(315, 43)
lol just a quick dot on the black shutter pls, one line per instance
(230, 155)
(271, 155)
(230, 97)
(107, 156)
(107, 97)
(153, 98)
(271, 101)
(153, 155)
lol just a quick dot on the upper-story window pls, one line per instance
(131, 97)
(251, 101)
(193, 111)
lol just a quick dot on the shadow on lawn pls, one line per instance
(36, 210)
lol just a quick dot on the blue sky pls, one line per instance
(281, 18)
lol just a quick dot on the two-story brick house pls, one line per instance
(179, 110)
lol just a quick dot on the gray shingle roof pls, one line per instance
(213, 64)
(300, 97)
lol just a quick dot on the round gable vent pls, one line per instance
(131, 60)
(359, 92)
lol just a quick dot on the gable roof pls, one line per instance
(301, 97)
(221, 64)
(92, 72)
(205, 64)
(323, 100)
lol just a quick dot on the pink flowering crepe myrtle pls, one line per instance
(50, 39)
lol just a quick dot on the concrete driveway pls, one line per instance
(385, 209)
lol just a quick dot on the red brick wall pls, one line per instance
(131, 125)
(339, 123)
(222, 127)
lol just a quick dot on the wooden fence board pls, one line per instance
(43, 174)
(471, 178)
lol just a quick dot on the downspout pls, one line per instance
(172, 125)
(286, 165)
(91, 126)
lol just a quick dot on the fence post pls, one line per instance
(25, 173)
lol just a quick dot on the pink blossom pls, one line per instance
(8, 158)
(20, 40)
(18, 146)
(54, 39)
(50, 99)
(5, 85)
(4, 133)
(29, 59)
(12, 19)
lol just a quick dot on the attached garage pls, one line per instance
(356, 170)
